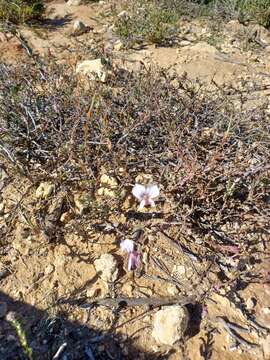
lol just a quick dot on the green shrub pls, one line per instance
(148, 21)
(257, 11)
(156, 21)
(20, 11)
(244, 10)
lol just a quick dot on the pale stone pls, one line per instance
(79, 27)
(81, 201)
(44, 190)
(74, 2)
(97, 290)
(123, 15)
(103, 191)
(127, 289)
(49, 269)
(108, 180)
(100, 30)
(106, 265)
(250, 303)
(108, 185)
(172, 289)
(144, 179)
(93, 69)
(170, 324)
(179, 270)
(118, 45)
(66, 217)
(122, 219)
(184, 43)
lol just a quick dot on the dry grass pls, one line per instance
(210, 157)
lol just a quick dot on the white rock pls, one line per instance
(108, 186)
(74, 2)
(118, 45)
(250, 303)
(44, 190)
(78, 27)
(100, 30)
(109, 181)
(11, 316)
(103, 191)
(184, 43)
(93, 68)
(169, 324)
(172, 289)
(49, 269)
(123, 15)
(107, 266)
(179, 270)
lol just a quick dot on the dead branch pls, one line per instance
(129, 302)
(231, 329)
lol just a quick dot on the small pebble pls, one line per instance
(49, 269)
(169, 324)
(107, 266)
(251, 303)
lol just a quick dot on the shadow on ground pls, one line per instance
(46, 334)
(56, 23)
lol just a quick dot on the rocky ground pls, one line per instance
(204, 294)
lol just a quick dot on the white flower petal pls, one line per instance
(127, 245)
(151, 202)
(142, 204)
(152, 191)
(138, 191)
(133, 260)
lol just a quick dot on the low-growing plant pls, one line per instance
(21, 11)
(137, 121)
(20, 332)
(157, 21)
(257, 11)
(147, 21)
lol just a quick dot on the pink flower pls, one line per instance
(133, 256)
(133, 260)
(145, 194)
